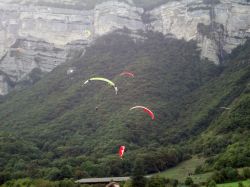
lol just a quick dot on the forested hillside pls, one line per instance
(53, 130)
(227, 142)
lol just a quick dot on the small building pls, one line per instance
(109, 181)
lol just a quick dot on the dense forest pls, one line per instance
(52, 130)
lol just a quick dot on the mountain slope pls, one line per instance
(226, 141)
(53, 130)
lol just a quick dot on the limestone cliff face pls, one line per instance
(27, 54)
(116, 15)
(33, 36)
(217, 26)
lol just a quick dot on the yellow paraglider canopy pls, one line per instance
(103, 79)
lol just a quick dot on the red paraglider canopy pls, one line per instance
(127, 73)
(121, 151)
(150, 113)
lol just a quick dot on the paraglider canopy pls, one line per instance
(103, 79)
(71, 70)
(226, 108)
(150, 113)
(121, 151)
(87, 33)
(127, 74)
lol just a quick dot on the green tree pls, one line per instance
(240, 184)
(198, 170)
(138, 180)
(189, 181)
(66, 183)
(44, 183)
(4, 176)
(246, 173)
(66, 172)
(54, 174)
(174, 182)
(217, 177)
(128, 183)
(211, 183)
(156, 181)
(230, 174)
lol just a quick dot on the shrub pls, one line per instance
(240, 184)
(211, 183)
(189, 181)
(156, 181)
(246, 173)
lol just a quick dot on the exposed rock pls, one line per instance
(4, 85)
(224, 24)
(113, 15)
(25, 55)
(43, 37)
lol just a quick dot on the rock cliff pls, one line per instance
(35, 36)
(217, 26)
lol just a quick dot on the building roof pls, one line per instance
(102, 180)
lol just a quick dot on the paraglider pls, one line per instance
(70, 70)
(150, 113)
(105, 80)
(87, 33)
(226, 108)
(127, 74)
(121, 151)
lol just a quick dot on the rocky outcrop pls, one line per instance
(4, 85)
(114, 15)
(217, 26)
(34, 36)
(37, 37)
(27, 54)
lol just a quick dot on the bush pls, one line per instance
(225, 175)
(66, 183)
(4, 177)
(246, 173)
(173, 182)
(230, 174)
(44, 183)
(156, 181)
(54, 174)
(198, 170)
(211, 183)
(240, 184)
(189, 181)
(217, 177)
(138, 180)
(128, 183)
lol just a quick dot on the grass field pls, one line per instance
(182, 171)
(246, 183)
